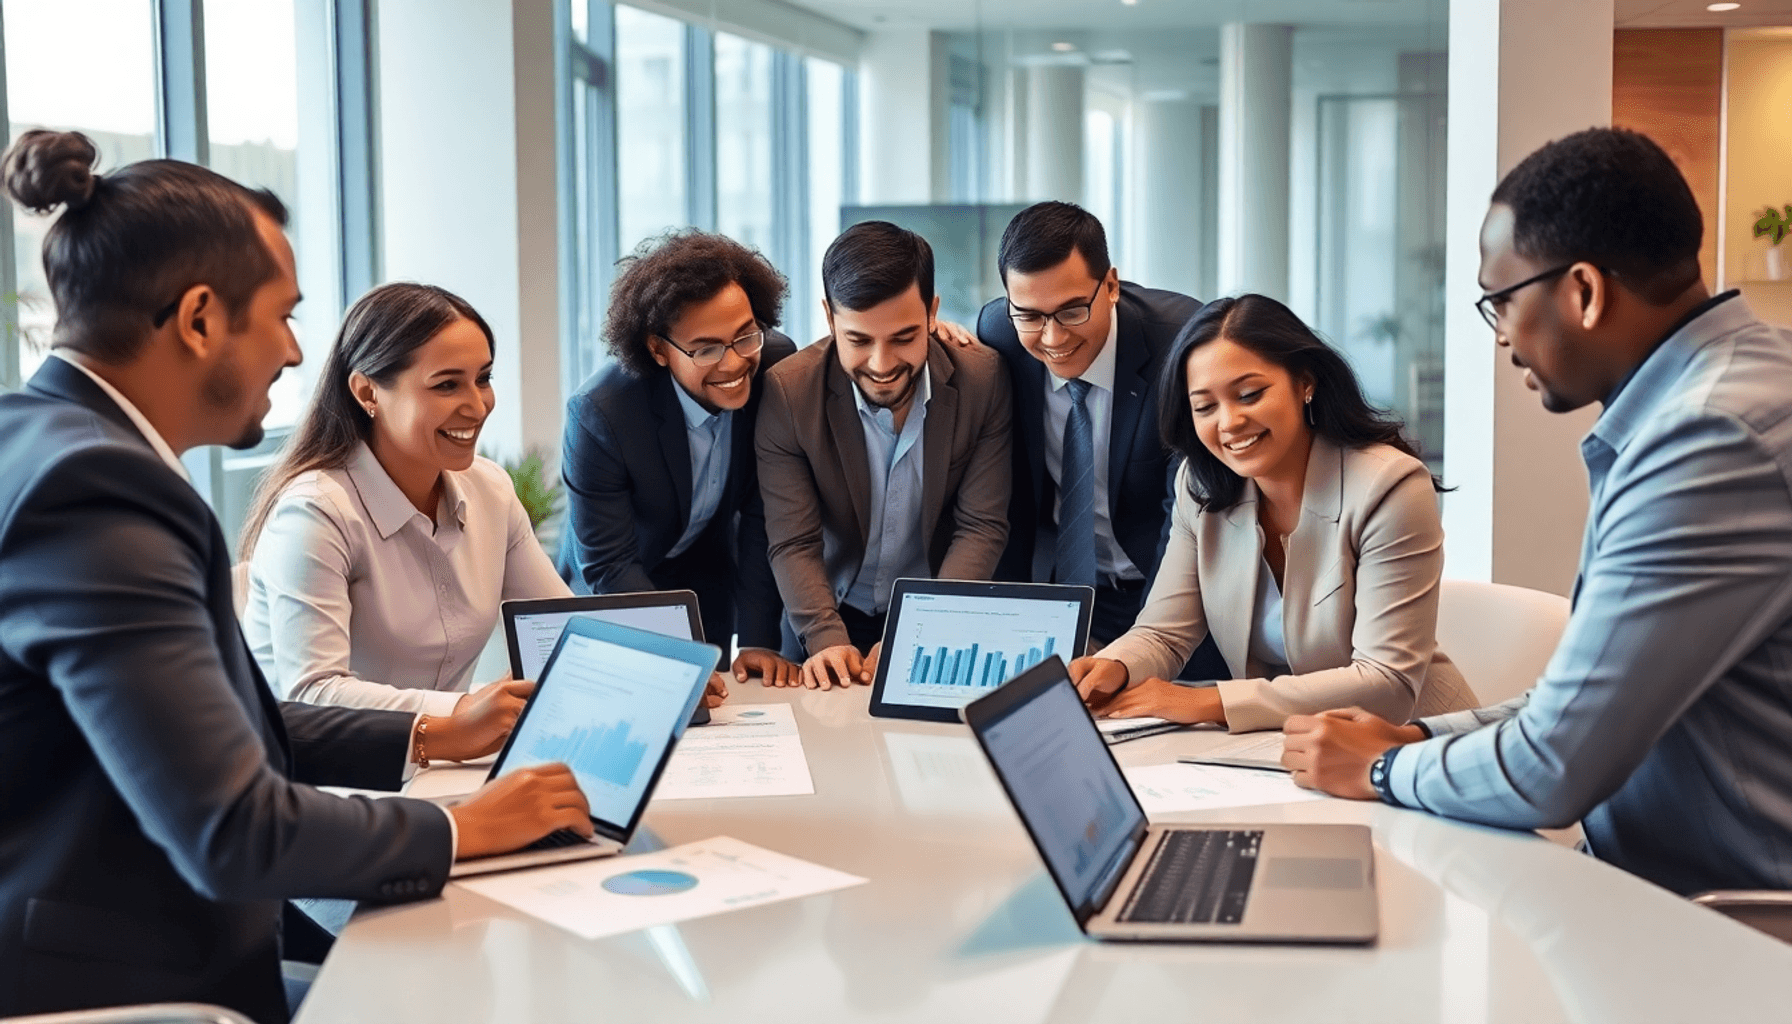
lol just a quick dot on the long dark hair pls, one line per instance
(380, 337)
(1271, 330)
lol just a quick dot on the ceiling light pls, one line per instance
(1721, 8)
(1130, 3)
(1064, 47)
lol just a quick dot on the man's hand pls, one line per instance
(955, 334)
(1164, 699)
(480, 723)
(1098, 679)
(511, 812)
(1332, 751)
(716, 692)
(870, 670)
(771, 669)
(836, 666)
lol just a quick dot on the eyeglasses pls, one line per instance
(1032, 322)
(1485, 305)
(746, 346)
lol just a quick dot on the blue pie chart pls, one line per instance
(649, 883)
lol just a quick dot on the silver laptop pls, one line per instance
(610, 703)
(1125, 878)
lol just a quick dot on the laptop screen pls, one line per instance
(946, 650)
(1065, 785)
(608, 712)
(538, 632)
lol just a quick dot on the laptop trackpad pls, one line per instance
(1312, 873)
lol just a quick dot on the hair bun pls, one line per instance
(47, 169)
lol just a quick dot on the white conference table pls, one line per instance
(959, 922)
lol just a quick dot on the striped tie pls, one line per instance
(1076, 491)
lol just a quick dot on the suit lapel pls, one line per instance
(936, 439)
(849, 444)
(1029, 405)
(1131, 391)
(1237, 561)
(673, 445)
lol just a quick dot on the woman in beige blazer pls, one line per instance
(1305, 537)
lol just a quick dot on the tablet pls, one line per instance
(948, 642)
(532, 627)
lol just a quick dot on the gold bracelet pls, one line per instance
(422, 730)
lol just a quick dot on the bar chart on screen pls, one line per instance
(947, 650)
(960, 666)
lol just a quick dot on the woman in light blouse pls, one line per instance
(381, 545)
(1305, 537)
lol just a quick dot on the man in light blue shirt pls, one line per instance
(893, 549)
(1664, 720)
(710, 434)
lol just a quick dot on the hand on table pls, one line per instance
(1098, 680)
(482, 720)
(955, 334)
(1332, 751)
(771, 669)
(835, 666)
(716, 692)
(1163, 699)
(511, 812)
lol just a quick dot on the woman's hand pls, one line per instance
(482, 720)
(1098, 679)
(1159, 698)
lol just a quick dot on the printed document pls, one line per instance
(598, 898)
(745, 750)
(1163, 788)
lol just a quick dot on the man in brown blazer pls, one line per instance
(883, 454)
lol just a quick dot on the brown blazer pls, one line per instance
(1359, 595)
(817, 481)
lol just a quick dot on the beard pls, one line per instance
(909, 376)
(223, 390)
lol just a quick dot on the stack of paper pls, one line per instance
(1162, 788)
(745, 750)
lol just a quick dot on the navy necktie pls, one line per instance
(1076, 493)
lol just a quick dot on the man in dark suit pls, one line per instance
(883, 453)
(662, 485)
(156, 803)
(1082, 348)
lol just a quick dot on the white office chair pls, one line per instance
(158, 1013)
(1501, 637)
(239, 587)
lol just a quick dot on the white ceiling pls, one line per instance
(1692, 13)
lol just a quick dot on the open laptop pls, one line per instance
(1125, 878)
(610, 703)
(948, 642)
(532, 628)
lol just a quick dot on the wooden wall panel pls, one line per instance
(1668, 84)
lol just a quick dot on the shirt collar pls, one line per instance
(148, 430)
(386, 504)
(1632, 403)
(923, 393)
(1100, 373)
(695, 416)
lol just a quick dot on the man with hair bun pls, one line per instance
(158, 804)
(1663, 722)
(662, 486)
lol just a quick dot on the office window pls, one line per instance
(827, 139)
(743, 125)
(105, 87)
(651, 169)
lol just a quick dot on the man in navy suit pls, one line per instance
(156, 802)
(661, 479)
(1093, 484)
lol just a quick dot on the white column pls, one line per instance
(1256, 69)
(1055, 133)
(1172, 169)
(1522, 72)
(902, 117)
(467, 184)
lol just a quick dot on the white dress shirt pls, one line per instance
(356, 598)
(1111, 562)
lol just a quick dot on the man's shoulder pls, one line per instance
(50, 445)
(805, 365)
(1162, 313)
(974, 366)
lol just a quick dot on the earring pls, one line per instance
(1310, 422)
(370, 410)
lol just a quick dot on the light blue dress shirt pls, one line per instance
(1111, 563)
(895, 548)
(1268, 638)
(1664, 718)
(711, 436)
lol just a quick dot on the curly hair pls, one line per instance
(666, 275)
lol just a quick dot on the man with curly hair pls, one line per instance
(662, 487)
(883, 453)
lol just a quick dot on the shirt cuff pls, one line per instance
(410, 766)
(453, 836)
(441, 703)
(1403, 783)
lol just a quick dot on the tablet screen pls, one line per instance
(947, 650)
(538, 632)
(608, 712)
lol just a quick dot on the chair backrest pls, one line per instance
(1501, 637)
(156, 1013)
(239, 587)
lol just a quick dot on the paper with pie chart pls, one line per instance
(745, 750)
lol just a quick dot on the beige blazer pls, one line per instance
(1359, 595)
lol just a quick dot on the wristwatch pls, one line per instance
(1378, 776)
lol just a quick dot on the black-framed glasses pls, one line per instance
(746, 346)
(1486, 303)
(1031, 321)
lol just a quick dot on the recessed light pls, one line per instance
(1063, 47)
(1130, 3)
(1721, 8)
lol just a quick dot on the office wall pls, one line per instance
(1669, 85)
(1759, 168)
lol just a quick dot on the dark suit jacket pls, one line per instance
(1141, 473)
(627, 467)
(817, 482)
(151, 816)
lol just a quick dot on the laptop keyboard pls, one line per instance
(556, 840)
(1196, 877)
